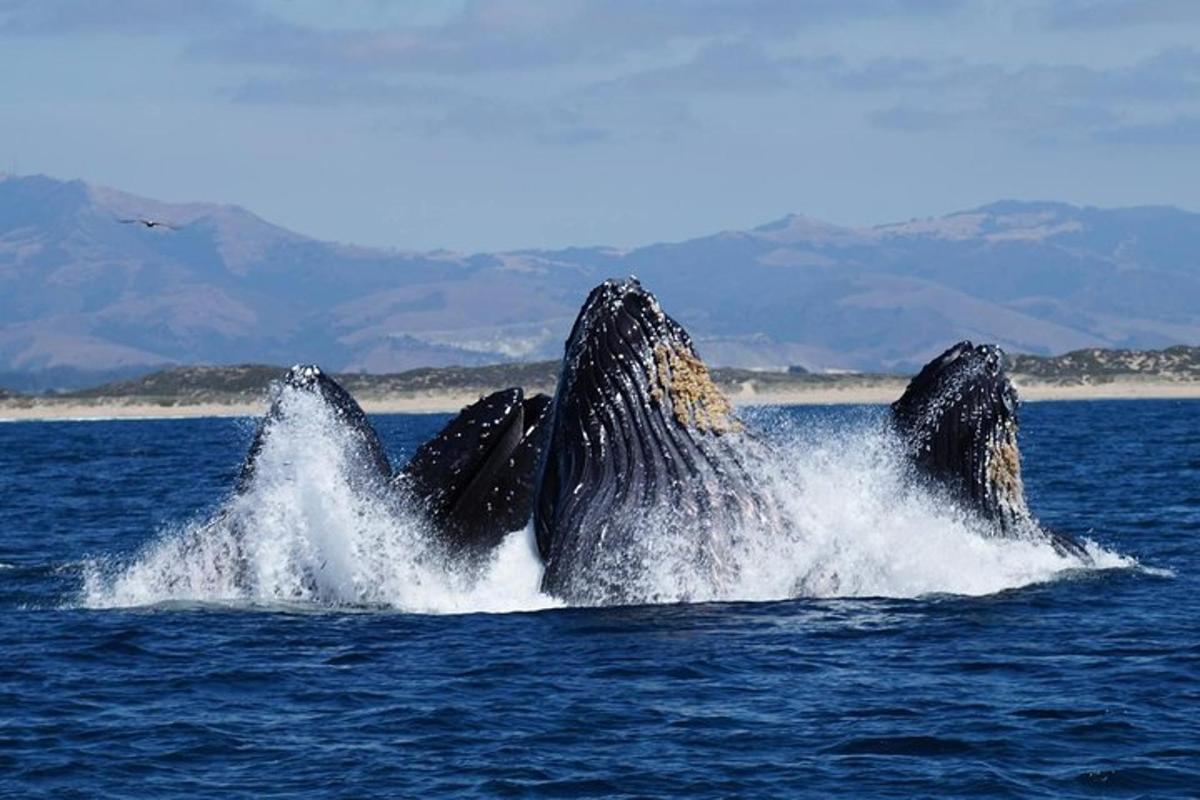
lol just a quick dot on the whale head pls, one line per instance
(640, 431)
(958, 423)
(958, 419)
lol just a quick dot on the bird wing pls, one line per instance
(149, 223)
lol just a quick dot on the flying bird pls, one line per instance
(149, 223)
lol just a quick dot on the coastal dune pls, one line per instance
(839, 390)
(240, 390)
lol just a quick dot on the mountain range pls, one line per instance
(86, 298)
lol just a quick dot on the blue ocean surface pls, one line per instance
(922, 661)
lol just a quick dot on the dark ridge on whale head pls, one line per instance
(367, 454)
(475, 478)
(639, 428)
(958, 420)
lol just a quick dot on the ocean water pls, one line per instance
(164, 639)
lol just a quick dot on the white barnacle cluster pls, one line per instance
(305, 372)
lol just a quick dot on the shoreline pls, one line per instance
(878, 393)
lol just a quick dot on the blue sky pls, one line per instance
(490, 125)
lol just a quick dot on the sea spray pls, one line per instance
(308, 529)
(848, 523)
(851, 522)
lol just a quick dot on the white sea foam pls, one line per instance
(307, 530)
(851, 524)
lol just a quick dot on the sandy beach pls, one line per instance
(853, 393)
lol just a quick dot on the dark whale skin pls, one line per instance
(475, 478)
(958, 424)
(639, 433)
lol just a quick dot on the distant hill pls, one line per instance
(84, 298)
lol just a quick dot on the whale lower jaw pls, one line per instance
(958, 418)
(641, 440)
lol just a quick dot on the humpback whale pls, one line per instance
(958, 422)
(638, 427)
(473, 480)
(640, 450)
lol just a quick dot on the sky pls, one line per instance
(504, 124)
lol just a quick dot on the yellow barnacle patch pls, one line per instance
(1004, 463)
(695, 399)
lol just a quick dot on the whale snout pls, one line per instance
(303, 376)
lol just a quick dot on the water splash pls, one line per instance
(851, 524)
(308, 530)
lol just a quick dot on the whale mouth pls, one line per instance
(475, 478)
(640, 431)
